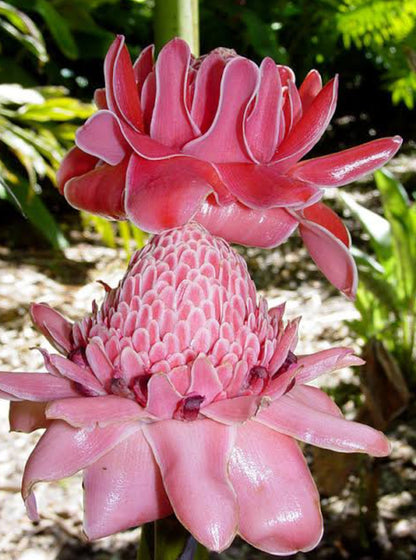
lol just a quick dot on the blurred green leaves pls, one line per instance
(32, 145)
(386, 297)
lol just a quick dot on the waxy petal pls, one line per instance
(63, 450)
(83, 411)
(100, 191)
(75, 163)
(53, 326)
(315, 398)
(232, 411)
(306, 133)
(325, 361)
(101, 137)
(171, 123)
(262, 186)
(26, 416)
(224, 141)
(331, 256)
(349, 165)
(204, 380)
(123, 489)
(76, 373)
(293, 418)
(309, 88)
(165, 194)
(262, 125)
(321, 214)
(121, 84)
(193, 457)
(277, 498)
(143, 66)
(40, 387)
(243, 225)
(163, 399)
(207, 91)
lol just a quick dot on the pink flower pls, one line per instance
(217, 140)
(183, 393)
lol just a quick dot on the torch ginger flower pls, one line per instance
(182, 393)
(217, 140)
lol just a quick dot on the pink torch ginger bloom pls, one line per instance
(182, 393)
(217, 140)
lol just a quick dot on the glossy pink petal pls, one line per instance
(125, 89)
(123, 489)
(204, 379)
(75, 163)
(277, 498)
(145, 146)
(309, 88)
(193, 457)
(100, 191)
(99, 362)
(171, 123)
(100, 99)
(321, 214)
(121, 90)
(285, 344)
(26, 416)
(165, 194)
(82, 412)
(101, 137)
(143, 66)
(310, 128)
(163, 399)
(148, 97)
(331, 256)
(298, 420)
(349, 165)
(325, 361)
(292, 109)
(53, 326)
(262, 186)
(63, 450)
(233, 411)
(224, 139)
(207, 91)
(315, 398)
(40, 387)
(262, 125)
(76, 373)
(243, 225)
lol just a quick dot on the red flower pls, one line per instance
(217, 140)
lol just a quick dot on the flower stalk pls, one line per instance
(177, 18)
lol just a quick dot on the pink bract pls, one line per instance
(182, 393)
(217, 140)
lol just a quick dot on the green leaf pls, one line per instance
(37, 214)
(398, 211)
(377, 227)
(58, 27)
(56, 109)
(15, 94)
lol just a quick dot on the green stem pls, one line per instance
(167, 539)
(177, 18)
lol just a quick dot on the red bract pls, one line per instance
(182, 393)
(217, 140)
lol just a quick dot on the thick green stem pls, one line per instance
(167, 539)
(177, 18)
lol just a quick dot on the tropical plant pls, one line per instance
(387, 293)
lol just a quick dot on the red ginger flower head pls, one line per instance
(182, 393)
(217, 140)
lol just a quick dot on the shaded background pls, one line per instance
(51, 57)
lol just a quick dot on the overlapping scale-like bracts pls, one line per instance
(183, 393)
(217, 140)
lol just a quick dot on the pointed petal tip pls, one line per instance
(31, 507)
